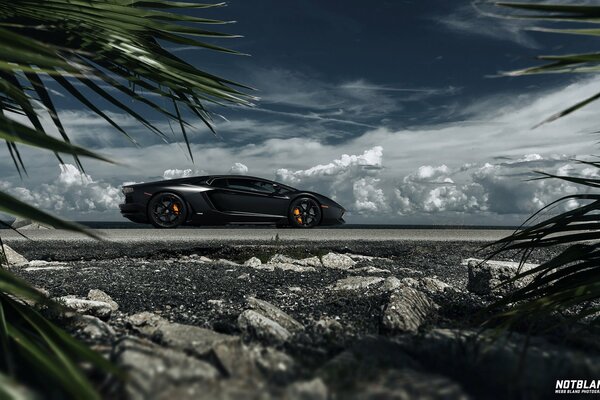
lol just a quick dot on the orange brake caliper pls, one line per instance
(297, 213)
(176, 209)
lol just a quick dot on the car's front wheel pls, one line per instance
(305, 213)
(167, 210)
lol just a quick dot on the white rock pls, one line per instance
(276, 314)
(294, 267)
(407, 310)
(227, 262)
(192, 339)
(98, 309)
(337, 261)
(13, 258)
(371, 270)
(360, 257)
(310, 262)
(433, 285)
(357, 283)
(94, 328)
(256, 324)
(253, 262)
(42, 263)
(390, 284)
(280, 258)
(485, 277)
(428, 285)
(99, 295)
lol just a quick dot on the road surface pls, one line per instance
(261, 235)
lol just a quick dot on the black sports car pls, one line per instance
(227, 199)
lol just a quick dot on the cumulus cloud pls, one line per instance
(358, 183)
(348, 179)
(72, 190)
(179, 173)
(239, 169)
(489, 188)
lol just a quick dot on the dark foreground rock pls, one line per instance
(312, 321)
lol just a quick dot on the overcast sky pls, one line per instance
(392, 108)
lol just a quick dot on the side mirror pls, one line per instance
(276, 188)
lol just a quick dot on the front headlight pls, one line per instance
(127, 190)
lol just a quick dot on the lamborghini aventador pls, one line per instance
(227, 199)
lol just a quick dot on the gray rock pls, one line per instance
(155, 372)
(228, 263)
(93, 328)
(263, 328)
(337, 261)
(284, 262)
(280, 258)
(294, 267)
(307, 390)
(98, 309)
(13, 258)
(99, 295)
(273, 364)
(407, 310)
(485, 277)
(357, 283)
(410, 282)
(489, 362)
(329, 327)
(276, 314)
(371, 270)
(433, 285)
(408, 384)
(253, 363)
(192, 339)
(409, 271)
(253, 262)
(429, 285)
(390, 284)
(310, 262)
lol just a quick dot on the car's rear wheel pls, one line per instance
(167, 210)
(305, 213)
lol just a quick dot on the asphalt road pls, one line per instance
(249, 234)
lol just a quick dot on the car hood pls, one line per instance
(326, 200)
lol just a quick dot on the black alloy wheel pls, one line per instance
(305, 213)
(167, 210)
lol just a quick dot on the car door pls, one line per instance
(248, 196)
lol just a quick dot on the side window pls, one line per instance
(222, 183)
(250, 185)
(266, 187)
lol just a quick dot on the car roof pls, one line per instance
(209, 178)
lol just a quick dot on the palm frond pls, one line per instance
(569, 63)
(108, 48)
(567, 282)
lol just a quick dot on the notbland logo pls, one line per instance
(577, 386)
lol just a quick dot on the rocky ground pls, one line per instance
(335, 320)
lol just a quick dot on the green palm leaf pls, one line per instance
(109, 48)
(570, 282)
